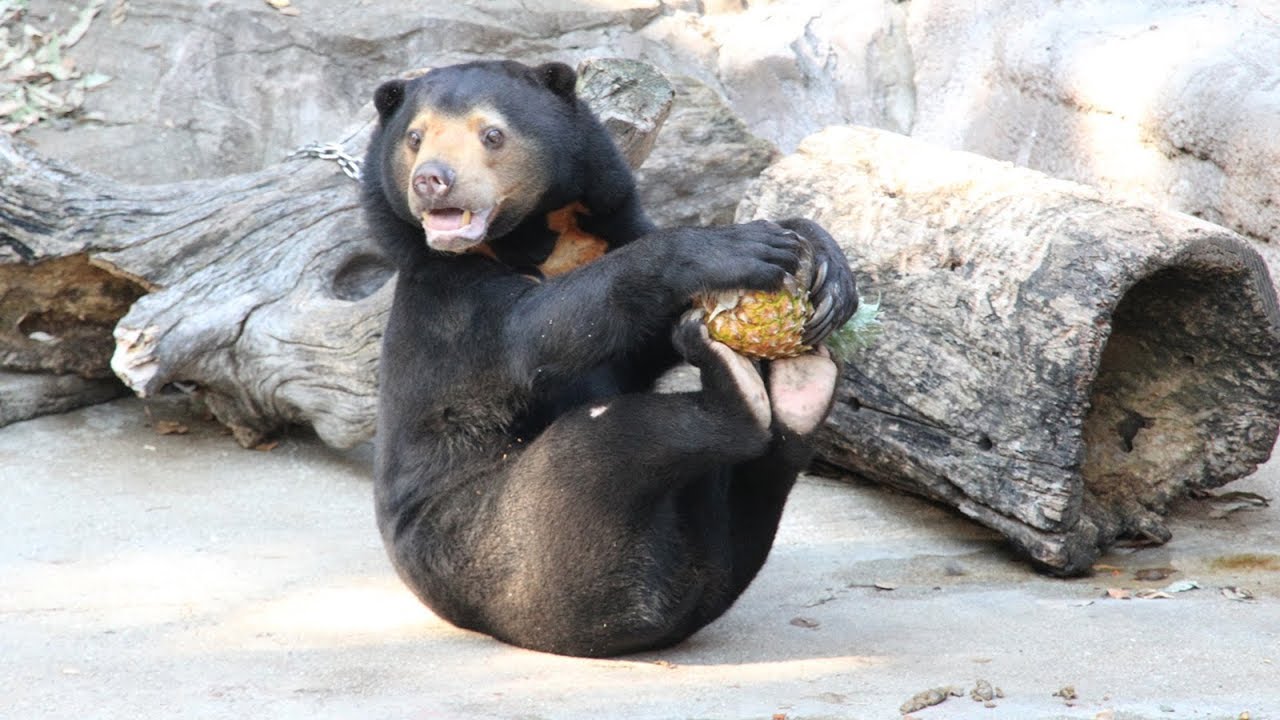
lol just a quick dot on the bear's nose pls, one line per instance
(433, 180)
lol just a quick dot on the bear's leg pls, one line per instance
(801, 391)
(618, 513)
(642, 518)
(657, 441)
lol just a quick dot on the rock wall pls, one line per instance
(213, 88)
(1172, 102)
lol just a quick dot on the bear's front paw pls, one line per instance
(754, 256)
(832, 288)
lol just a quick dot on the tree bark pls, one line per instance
(1056, 364)
(262, 289)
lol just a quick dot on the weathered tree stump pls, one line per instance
(1056, 364)
(262, 289)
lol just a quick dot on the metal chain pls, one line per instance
(331, 151)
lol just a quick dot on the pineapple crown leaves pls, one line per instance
(858, 333)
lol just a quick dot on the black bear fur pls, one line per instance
(529, 484)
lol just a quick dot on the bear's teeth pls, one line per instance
(446, 219)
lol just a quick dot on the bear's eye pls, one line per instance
(493, 138)
(414, 140)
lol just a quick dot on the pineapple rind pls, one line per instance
(760, 324)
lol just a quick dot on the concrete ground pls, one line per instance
(177, 576)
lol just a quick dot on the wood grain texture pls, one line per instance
(1057, 364)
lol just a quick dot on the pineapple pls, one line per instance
(764, 324)
(769, 325)
(760, 323)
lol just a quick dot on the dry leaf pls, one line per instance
(1244, 495)
(804, 622)
(1230, 502)
(1182, 586)
(285, 7)
(266, 446)
(1236, 593)
(1067, 692)
(928, 698)
(1118, 594)
(982, 691)
(885, 586)
(39, 81)
(1222, 510)
(170, 427)
(119, 12)
(81, 26)
(1151, 594)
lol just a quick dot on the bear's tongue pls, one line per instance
(447, 219)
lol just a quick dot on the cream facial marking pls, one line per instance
(456, 174)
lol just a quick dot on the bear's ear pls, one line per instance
(560, 78)
(388, 97)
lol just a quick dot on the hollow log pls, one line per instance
(261, 289)
(1057, 364)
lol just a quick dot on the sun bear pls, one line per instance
(529, 484)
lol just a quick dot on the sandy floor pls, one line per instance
(164, 576)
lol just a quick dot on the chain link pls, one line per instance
(331, 151)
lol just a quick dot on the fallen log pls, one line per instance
(261, 289)
(1057, 364)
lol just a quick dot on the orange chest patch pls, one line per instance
(574, 247)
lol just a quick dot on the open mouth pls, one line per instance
(455, 229)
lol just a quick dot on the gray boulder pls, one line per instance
(1168, 101)
(703, 162)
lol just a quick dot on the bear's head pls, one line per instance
(468, 152)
